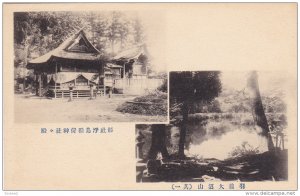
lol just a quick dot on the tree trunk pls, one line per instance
(26, 49)
(183, 130)
(158, 143)
(257, 108)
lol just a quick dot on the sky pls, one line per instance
(222, 37)
(268, 80)
(154, 23)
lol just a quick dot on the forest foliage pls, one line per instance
(36, 33)
(234, 101)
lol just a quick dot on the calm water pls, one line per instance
(217, 138)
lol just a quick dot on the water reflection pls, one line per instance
(217, 138)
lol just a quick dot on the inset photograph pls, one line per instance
(224, 126)
(89, 67)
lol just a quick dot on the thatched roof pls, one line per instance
(76, 47)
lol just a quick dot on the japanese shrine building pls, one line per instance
(134, 62)
(76, 63)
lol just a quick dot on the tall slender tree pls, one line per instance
(138, 31)
(188, 88)
(113, 29)
(258, 113)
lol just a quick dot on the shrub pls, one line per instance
(243, 150)
(152, 104)
(163, 87)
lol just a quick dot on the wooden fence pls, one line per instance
(133, 86)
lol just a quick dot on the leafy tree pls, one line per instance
(117, 29)
(21, 26)
(40, 32)
(188, 88)
(123, 30)
(214, 107)
(100, 30)
(138, 31)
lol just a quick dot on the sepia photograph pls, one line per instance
(150, 96)
(224, 126)
(88, 67)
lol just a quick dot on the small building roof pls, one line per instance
(132, 53)
(75, 47)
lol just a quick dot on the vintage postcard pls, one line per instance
(150, 96)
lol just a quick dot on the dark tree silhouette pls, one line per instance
(257, 108)
(188, 88)
(158, 142)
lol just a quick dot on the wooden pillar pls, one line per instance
(75, 78)
(91, 91)
(124, 70)
(36, 85)
(40, 84)
(55, 81)
(104, 85)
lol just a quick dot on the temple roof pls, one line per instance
(75, 47)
